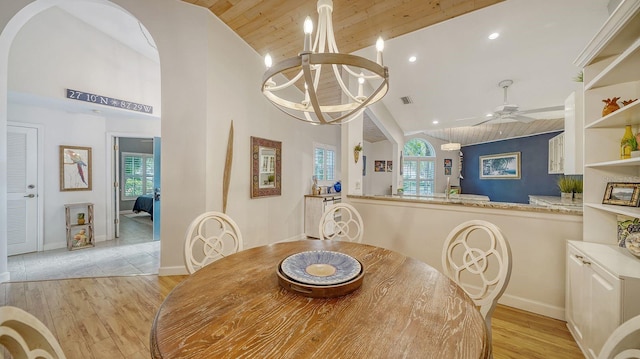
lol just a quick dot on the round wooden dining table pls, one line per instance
(236, 308)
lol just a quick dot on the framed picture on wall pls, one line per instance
(75, 168)
(447, 171)
(500, 166)
(448, 162)
(380, 166)
(364, 165)
(389, 166)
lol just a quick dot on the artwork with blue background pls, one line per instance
(534, 179)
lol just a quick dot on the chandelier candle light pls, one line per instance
(307, 67)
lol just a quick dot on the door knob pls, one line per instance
(30, 195)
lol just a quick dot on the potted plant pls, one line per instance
(356, 151)
(566, 185)
(271, 178)
(577, 188)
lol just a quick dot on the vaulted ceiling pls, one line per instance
(455, 79)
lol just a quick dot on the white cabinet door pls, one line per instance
(604, 295)
(576, 307)
(593, 302)
(556, 154)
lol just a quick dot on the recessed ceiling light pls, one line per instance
(413, 59)
(435, 122)
(494, 36)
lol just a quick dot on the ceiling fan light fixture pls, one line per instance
(451, 146)
(348, 74)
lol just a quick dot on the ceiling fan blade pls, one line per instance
(524, 119)
(543, 109)
(485, 121)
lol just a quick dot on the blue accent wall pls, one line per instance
(534, 180)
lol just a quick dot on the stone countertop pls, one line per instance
(473, 203)
(556, 201)
(324, 195)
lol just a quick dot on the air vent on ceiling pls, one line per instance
(406, 100)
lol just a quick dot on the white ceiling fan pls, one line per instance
(508, 111)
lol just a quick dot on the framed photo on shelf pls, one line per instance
(75, 168)
(622, 194)
(500, 166)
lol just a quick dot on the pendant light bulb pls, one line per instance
(308, 26)
(268, 61)
(380, 44)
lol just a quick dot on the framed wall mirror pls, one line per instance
(266, 164)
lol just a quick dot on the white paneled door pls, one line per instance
(22, 189)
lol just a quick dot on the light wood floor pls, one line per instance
(110, 317)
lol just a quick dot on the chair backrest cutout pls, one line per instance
(210, 236)
(25, 336)
(341, 221)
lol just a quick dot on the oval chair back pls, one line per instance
(477, 256)
(210, 236)
(25, 336)
(624, 342)
(341, 221)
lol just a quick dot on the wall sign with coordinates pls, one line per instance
(108, 101)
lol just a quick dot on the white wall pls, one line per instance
(201, 93)
(64, 128)
(55, 51)
(377, 183)
(537, 243)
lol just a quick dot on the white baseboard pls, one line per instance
(5, 277)
(176, 270)
(532, 306)
(55, 245)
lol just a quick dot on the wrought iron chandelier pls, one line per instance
(340, 72)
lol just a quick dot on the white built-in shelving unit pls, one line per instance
(600, 292)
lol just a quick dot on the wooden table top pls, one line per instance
(235, 308)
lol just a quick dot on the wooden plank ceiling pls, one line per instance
(275, 26)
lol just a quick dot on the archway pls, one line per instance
(23, 15)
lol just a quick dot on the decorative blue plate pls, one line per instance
(321, 267)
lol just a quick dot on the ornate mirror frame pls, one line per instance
(266, 164)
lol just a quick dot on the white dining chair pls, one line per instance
(25, 336)
(624, 342)
(341, 221)
(480, 264)
(210, 236)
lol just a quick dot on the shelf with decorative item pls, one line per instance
(79, 232)
(635, 161)
(626, 211)
(626, 115)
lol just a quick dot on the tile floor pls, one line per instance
(133, 253)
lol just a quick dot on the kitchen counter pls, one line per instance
(555, 201)
(463, 200)
(324, 195)
(456, 196)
